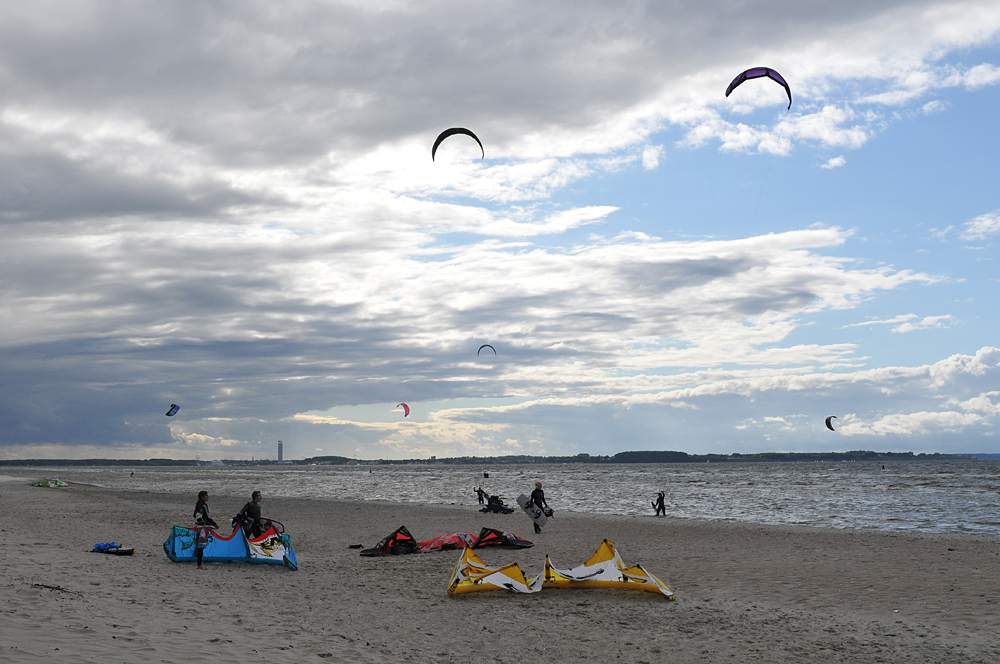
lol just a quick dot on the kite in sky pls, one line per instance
(760, 72)
(486, 346)
(829, 424)
(173, 410)
(451, 132)
(406, 409)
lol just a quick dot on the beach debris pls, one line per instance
(406, 409)
(173, 410)
(829, 424)
(271, 548)
(401, 542)
(50, 483)
(486, 346)
(760, 72)
(604, 569)
(59, 588)
(451, 132)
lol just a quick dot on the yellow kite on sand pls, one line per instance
(604, 569)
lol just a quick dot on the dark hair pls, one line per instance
(254, 495)
(202, 494)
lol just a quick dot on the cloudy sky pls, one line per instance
(231, 206)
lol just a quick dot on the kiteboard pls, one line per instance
(534, 512)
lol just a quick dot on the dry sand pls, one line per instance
(745, 593)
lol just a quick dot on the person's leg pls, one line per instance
(201, 554)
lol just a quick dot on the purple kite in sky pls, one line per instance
(406, 409)
(760, 72)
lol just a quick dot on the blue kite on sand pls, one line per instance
(271, 548)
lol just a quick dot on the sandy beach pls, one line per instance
(745, 593)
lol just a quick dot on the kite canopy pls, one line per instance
(402, 542)
(50, 483)
(398, 543)
(829, 424)
(271, 548)
(173, 410)
(451, 132)
(486, 346)
(604, 569)
(760, 72)
(406, 409)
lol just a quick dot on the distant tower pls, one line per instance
(281, 451)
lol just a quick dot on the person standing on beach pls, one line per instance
(204, 525)
(538, 500)
(658, 505)
(481, 494)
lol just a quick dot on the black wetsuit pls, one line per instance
(201, 516)
(658, 505)
(538, 500)
(482, 496)
(252, 511)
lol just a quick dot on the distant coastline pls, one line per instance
(621, 457)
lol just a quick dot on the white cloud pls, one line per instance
(908, 323)
(651, 156)
(935, 106)
(982, 227)
(834, 162)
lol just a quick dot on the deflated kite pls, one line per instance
(760, 72)
(451, 132)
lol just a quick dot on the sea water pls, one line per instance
(952, 496)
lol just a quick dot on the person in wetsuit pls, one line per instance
(538, 500)
(481, 494)
(204, 523)
(658, 505)
(251, 512)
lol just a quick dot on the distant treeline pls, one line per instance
(621, 457)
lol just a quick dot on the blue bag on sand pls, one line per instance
(101, 548)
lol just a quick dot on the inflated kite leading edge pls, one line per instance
(760, 72)
(451, 132)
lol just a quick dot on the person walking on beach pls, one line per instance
(481, 494)
(251, 514)
(204, 525)
(658, 505)
(538, 500)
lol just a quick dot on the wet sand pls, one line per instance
(745, 593)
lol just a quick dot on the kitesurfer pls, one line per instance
(201, 516)
(538, 500)
(251, 514)
(481, 494)
(204, 523)
(658, 505)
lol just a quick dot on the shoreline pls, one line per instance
(752, 592)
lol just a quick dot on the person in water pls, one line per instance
(658, 505)
(204, 524)
(481, 494)
(538, 500)
(251, 513)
